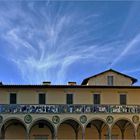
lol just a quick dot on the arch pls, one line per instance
(138, 131)
(92, 119)
(42, 127)
(69, 128)
(96, 128)
(122, 118)
(70, 118)
(14, 127)
(137, 127)
(123, 128)
(14, 118)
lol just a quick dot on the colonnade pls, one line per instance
(69, 128)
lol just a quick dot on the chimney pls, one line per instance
(71, 83)
(46, 83)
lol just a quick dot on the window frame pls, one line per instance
(44, 100)
(68, 100)
(10, 96)
(110, 80)
(98, 100)
(123, 102)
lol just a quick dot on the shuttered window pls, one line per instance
(123, 99)
(110, 80)
(96, 98)
(13, 98)
(69, 99)
(42, 98)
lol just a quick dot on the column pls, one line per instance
(109, 133)
(54, 135)
(135, 133)
(83, 133)
(27, 135)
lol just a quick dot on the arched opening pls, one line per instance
(69, 129)
(138, 132)
(96, 129)
(14, 129)
(41, 129)
(123, 129)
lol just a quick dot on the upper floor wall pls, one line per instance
(110, 78)
(77, 95)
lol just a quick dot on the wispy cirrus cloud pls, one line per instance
(46, 40)
(130, 47)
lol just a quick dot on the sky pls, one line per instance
(61, 41)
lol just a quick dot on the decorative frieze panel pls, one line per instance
(77, 109)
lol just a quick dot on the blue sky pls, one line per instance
(63, 41)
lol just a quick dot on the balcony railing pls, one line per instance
(64, 108)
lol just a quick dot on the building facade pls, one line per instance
(104, 106)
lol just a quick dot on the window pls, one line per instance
(69, 99)
(123, 99)
(42, 98)
(96, 98)
(110, 80)
(13, 98)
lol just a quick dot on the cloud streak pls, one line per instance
(127, 50)
(46, 41)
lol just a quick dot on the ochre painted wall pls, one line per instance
(81, 95)
(119, 80)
